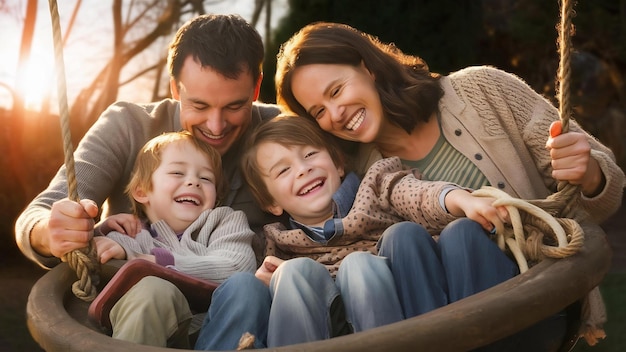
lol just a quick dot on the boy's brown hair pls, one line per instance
(149, 159)
(286, 130)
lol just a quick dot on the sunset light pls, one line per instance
(36, 84)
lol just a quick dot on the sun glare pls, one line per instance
(36, 83)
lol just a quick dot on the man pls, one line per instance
(215, 65)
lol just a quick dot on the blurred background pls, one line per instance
(116, 50)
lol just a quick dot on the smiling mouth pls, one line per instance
(311, 187)
(187, 200)
(212, 136)
(356, 121)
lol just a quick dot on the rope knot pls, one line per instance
(534, 234)
(84, 262)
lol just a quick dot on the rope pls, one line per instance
(83, 261)
(564, 45)
(593, 312)
(566, 30)
(527, 235)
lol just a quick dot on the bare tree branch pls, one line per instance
(122, 54)
(268, 21)
(138, 74)
(70, 24)
(25, 49)
(256, 13)
(15, 127)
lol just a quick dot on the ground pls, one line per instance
(17, 275)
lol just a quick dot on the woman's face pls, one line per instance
(342, 98)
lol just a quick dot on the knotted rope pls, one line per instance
(527, 236)
(83, 261)
(556, 215)
(539, 218)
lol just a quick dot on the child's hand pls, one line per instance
(267, 268)
(127, 224)
(148, 257)
(108, 249)
(480, 209)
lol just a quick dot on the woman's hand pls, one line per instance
(571, 160)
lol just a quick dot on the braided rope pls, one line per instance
(527, 235)
(544, 218)
(83, 261)
(564, 46)
(591, 329)
(566, 30)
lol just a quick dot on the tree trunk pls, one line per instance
(15, 124)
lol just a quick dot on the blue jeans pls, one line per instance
(474, 263)
(412, 275)
(240, 304)
(369, 294)
(302, 295)
(416, 267)
(295, 308)
(428, 274)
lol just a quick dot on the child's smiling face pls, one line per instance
(301, 179)
(183, 186)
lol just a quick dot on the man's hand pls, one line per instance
(69, 227)
(267, 268)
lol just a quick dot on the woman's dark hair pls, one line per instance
(408, 91)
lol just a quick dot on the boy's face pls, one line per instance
(183, 186)
(301, 179)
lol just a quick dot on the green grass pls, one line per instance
(613, 290)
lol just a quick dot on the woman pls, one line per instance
(475, 127)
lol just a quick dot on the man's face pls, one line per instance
(214, 108)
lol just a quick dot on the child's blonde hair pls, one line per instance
(286, 130)
(149, 159)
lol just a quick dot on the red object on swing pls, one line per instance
(197, 291)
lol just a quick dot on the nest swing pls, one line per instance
(562, 256)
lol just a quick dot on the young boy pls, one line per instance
(175, 186)
(338, 225)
